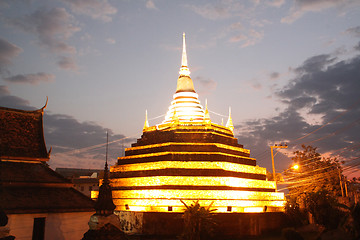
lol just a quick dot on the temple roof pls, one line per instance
(22, 135)
(76, 172)
(28, 185)
(34, 187)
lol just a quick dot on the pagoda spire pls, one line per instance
(185, 106)
(146, 124)
(184, 56)
(229, 123)
(184, 70)
(104, 204)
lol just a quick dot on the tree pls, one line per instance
(198, 222)
(314, 187)
(270, 177)
(324, 208)
(314, 174)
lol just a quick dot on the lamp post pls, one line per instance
(272, 159)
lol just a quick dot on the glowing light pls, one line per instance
(219, 145)
(193, 181)
(253, 209)
(186, 107)
(227, 166)
(198, 194)
(295, 167)
(194, 126)
(94, 194)
(183, 153)
(161, 205)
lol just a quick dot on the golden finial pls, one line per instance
(184, 70)
(229, 123)
(146, 124)
(207, 115)
(175, 117)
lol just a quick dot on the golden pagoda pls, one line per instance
(187, 157)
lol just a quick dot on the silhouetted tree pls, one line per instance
(314, 174)
(198, 222)
(314, 187)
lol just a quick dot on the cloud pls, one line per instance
(220, 10)
(206, 85)
(67, 63)
(357, 47)
(247, 29)
(275, 3)
(334, 86)
(256, 85)
(274, 75)
(251, 37)
(80, 144)
(8, 51)
(110, 40)
(74, 143)
(237, 26)
(96, 9)
(301, 7)
(10, 101)
(52, 27)
(33, 79)
(315, 63)
(150, 4)
(354, 31)
(322, 86)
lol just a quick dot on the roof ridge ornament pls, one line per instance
(184, 70)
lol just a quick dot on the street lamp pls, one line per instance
(295, 167)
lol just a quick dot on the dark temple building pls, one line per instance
(39, 203)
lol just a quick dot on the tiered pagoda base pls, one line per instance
(190, 162)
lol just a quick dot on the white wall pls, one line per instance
(58, 226)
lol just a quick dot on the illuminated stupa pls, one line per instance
(187, 157)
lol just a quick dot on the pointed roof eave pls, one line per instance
(229, 123)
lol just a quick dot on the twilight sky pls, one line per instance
(286, 69)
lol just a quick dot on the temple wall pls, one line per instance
(229, 225)
(59, 226)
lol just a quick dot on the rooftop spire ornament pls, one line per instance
(146, 124)
(184, 70)
(185, 102)
(229, 123)
(207, 115)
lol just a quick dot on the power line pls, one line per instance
(330, 121)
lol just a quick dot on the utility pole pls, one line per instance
(341, 186)
(272, 159)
